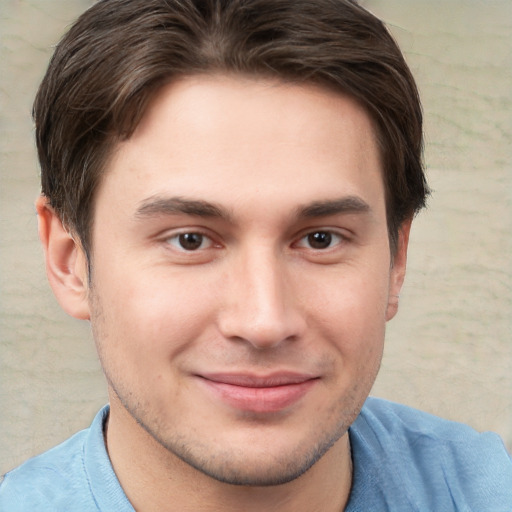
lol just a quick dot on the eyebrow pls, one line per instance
(156, 206)
(349, 204)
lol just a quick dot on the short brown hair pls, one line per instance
(119, 53)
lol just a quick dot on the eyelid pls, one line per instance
(168, 235)
(205, 240)
(341, 235)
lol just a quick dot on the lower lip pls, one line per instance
(260, 400)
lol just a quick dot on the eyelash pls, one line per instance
(322, 236)
(178, 238)
(326, 235)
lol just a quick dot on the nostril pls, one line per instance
(261, 307)
(264, 332)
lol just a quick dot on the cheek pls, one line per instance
(148, 316)
(354, 299)
(350, 312)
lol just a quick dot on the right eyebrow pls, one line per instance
(157, 205)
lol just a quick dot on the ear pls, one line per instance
(66, 263)
(397, 274)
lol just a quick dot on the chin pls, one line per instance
(241, 470)
(255, 464)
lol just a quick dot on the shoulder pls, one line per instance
(55, 480)
(389, 417)
(431, 460)
(45, 480)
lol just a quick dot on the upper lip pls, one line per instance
(251, 380)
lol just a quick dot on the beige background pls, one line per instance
(450, 349)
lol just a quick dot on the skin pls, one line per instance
(289, 273)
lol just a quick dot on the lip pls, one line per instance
(259, 394)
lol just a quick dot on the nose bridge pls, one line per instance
(261, 308)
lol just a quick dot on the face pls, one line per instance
(241, 274)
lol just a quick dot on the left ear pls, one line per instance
(397, 274)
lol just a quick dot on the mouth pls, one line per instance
(259, 394)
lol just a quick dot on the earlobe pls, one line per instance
(397, 274)
(66, 263)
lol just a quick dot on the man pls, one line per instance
(227, 193)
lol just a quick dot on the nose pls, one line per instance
(261, 307)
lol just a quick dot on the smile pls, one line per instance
(257, 394)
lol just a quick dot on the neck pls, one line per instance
(155, 479)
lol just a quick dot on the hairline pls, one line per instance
(114, 142)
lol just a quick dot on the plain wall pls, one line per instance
(449, 351)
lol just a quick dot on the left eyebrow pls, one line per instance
(349, 204)
(157, 205)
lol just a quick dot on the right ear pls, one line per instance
(66, 262)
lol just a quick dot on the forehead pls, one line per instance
(258, 140)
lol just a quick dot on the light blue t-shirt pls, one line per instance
(404, 460)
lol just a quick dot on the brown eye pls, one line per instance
(320, 240)
(190, 241)
(187, 242)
